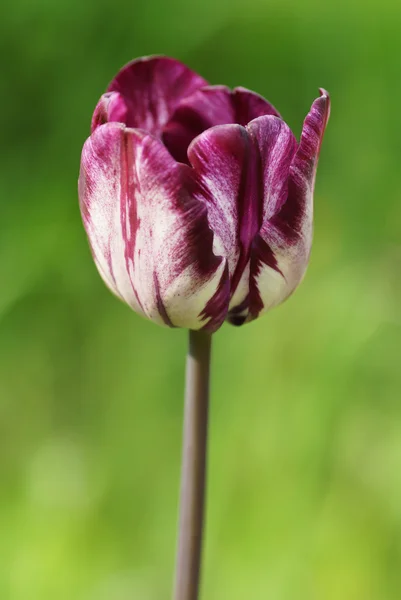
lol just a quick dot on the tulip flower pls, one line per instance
(197, 200)
(198, 204)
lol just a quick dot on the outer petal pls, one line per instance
(281, 250)
(152, 87)
(209, 106)
(147, 225)
(245, 172)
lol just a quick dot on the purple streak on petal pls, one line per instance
(224, 159)
(152, 88)
(249, 206)
(175, 240)
(207, 107)
(103, 177)
(146, 220)
(262, 256)
(287, 231)
(111, 107)
(188, 240)
(236, 310)
(312, 136)
(290, 219)
(245, 171)
(215, 310)
(239, 314)
(303, 171)
(130, 221)
(277, 146)
(160, 306)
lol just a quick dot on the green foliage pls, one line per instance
(304, 496)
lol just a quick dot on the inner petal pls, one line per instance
(209, 106)
(152, 88)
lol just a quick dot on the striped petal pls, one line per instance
(152, 88)
(207, 107)
(282, 248)
(245, 172)
(146, 220)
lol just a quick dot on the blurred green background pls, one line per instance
(304, 496)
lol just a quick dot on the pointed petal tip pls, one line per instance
(313, 131)
(110, 108)
(325, 98)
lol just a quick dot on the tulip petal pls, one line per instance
(207, 107)
(222, 160)
(281, 250)
(245, 172)
(146, 220)
(151, 88)
(111, 107)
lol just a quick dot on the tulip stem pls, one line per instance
(193, 474)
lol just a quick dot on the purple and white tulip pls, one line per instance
(197, 199)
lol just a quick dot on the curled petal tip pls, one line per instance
(110, 108)
(325, 96)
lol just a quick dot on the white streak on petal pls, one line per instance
(100, 192)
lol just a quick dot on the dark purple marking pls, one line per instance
(198, 247)
(249, 205)
(290, 217)
(157, 174)
(236, 316)
(237, 320)
(128, 189)
(261, 255)
(236, 310)
(312, 136)
(302, 172)
(231, 156)
(217, 306)
(159, 302)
